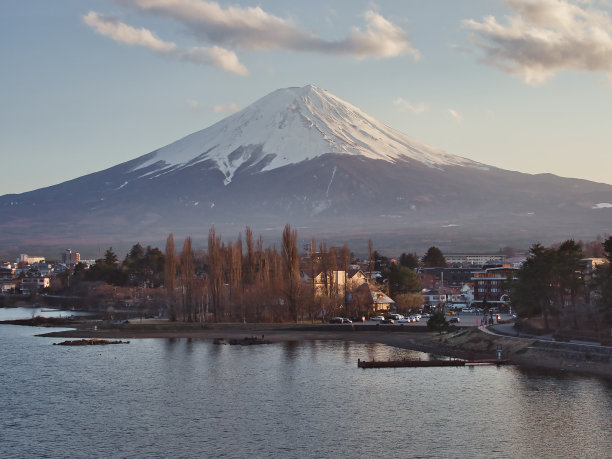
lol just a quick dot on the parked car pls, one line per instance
(347, 321)
(404, 320)
(454, 320)
(396, 316)
(337, 320)
(377, 318)
(415, 317)
(387, 321)
(425, 316)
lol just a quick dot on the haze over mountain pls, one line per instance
(305, 157)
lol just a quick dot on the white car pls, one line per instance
(404, 320)
(415, 317)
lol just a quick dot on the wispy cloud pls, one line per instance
(546, 36)
(404, 105)
(123, 33)
(217, 56)
(226, 108)
(193, 104)
(249, 29)
(456, 116)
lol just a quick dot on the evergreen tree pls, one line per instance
(603, 283)
(569, 268)
(110, 258)
(409, 260)
(433, 258)
(401, 280)
(532, 292)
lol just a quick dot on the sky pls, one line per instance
(524, 85)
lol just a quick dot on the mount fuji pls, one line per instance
(305, 157)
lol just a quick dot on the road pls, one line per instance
(467, 319)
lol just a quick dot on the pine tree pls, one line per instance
(434, 258)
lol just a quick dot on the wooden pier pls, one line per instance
(426, 363)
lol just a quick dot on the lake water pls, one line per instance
(190, 398)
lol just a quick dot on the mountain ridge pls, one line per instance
(394, 186)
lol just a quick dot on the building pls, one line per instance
(70, 258)
(30, 260)
(433, 278)
(489, 284)
(34, 284)
(434, 297)
(478, 259)
(590, 264)
(335, 282)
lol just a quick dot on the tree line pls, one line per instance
(554, 282)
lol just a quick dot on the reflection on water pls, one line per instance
(28, 313)
(190, 398)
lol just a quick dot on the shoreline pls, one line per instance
(467, 343)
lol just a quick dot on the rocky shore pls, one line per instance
(465, 343)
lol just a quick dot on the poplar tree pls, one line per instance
(170, 276)
(291, 265)
(215, 271)
(187, 280)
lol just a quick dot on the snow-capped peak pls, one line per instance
(294, 124)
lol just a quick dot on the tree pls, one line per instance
(408, 301)
(291, 264)
(215, 271)
(110, 258)
(437, 322)
(187, 280)
(107, 270)
(433, 258)
(401, 280)
(569, 269)
(370, 258)
(603, 283)
(170, 276)
(532, 292)
(136, 252)
(409, 260)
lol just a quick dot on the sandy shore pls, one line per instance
(469, 343)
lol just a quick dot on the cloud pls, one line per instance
(217, 56)
(194, 104)
(544, 37)
(225, 108)
(404, 105)
(253, 29)
(456, 116)
(123, 33)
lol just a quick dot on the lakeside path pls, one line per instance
(464, 343)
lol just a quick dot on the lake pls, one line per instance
(190, 398)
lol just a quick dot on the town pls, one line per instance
(225, 283)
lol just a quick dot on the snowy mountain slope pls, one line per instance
(292, 125)
(302, 156)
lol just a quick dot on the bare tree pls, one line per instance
(371, 259)
(187, 280)
(170, 276)
(291, 264)
(215, 271)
